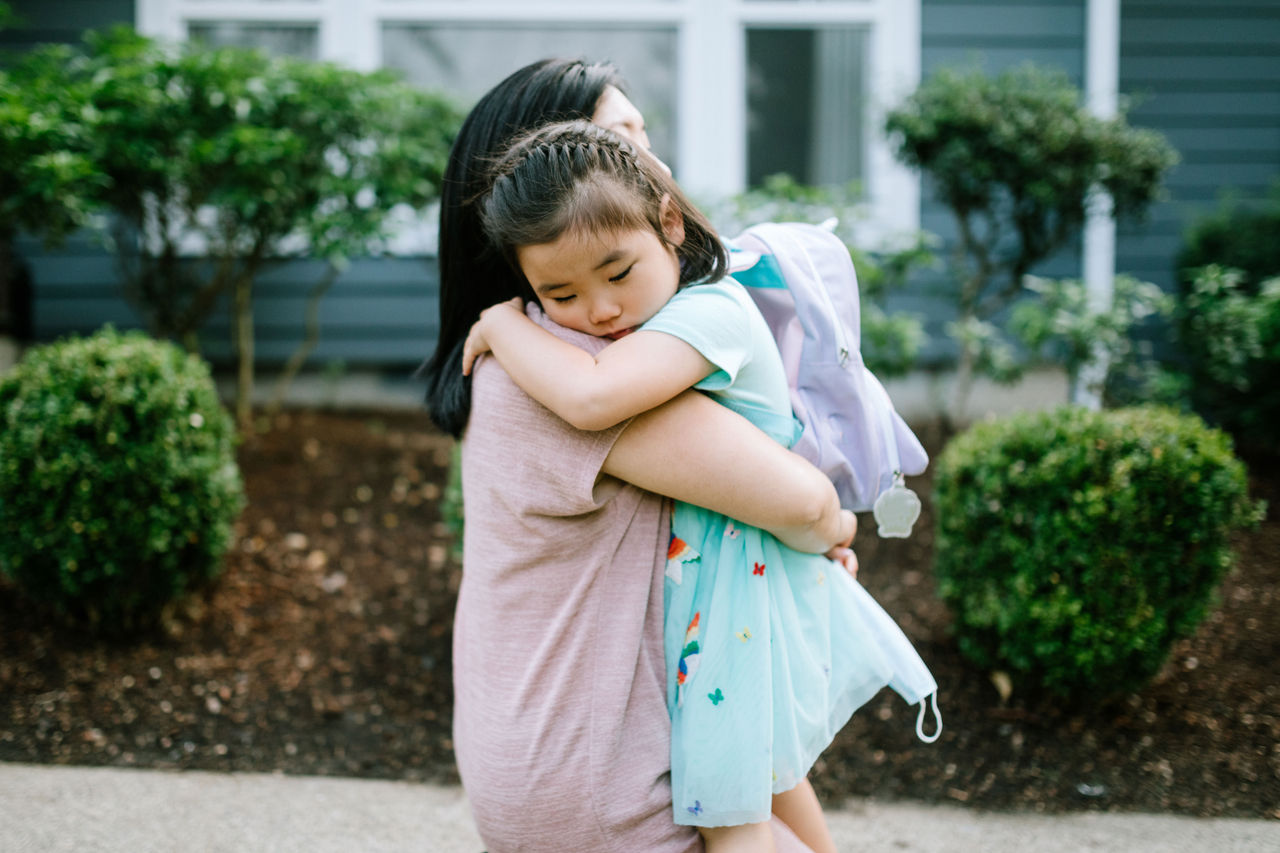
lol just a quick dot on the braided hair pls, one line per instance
(575, 176)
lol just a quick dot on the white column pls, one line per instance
(712, 99)
(1102, 83)
(895, 73)
(350, 35)
(158, 19)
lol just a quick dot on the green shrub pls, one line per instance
(451, 510)
(1246, 238)
(1075, 547)
(1229, 330)
(118, 481)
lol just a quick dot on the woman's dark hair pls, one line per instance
(472, 275)
(574, 176)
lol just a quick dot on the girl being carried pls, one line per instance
(769, 649)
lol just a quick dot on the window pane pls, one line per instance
(468, 60)
(806, 98)
(300, 40)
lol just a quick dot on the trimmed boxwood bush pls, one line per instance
(118, 480)
(1075, 547)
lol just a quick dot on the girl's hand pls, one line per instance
(844, 556)
(476, 345)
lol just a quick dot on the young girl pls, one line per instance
(769, 650)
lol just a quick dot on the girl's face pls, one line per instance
(606, 283)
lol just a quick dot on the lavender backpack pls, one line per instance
(802, 278)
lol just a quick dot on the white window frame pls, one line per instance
(711, 52)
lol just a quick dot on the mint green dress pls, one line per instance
(769, 650)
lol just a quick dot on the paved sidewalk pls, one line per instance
(97, 810)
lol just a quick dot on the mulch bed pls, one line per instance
(325, 649)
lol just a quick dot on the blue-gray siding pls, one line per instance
(43, 21)
(379, 312)
(1207, 75)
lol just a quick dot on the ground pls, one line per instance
(324, 649)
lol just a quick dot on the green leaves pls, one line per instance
(118, 483)
(1075, 547)
(47, 178)
(1060, 325)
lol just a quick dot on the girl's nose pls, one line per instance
(602, 311)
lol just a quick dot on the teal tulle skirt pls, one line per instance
(769, 652)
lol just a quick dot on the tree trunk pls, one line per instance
(309, 341)
(964, 386)
(242, 324)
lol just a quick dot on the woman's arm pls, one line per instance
(629, 376)
(697, 451)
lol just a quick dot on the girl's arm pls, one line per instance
(629, 376)
(697, 451)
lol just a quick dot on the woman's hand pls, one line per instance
(476, 345)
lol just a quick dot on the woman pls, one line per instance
(560, 723)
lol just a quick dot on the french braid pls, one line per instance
(576, 175)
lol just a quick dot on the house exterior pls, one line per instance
(717, 80)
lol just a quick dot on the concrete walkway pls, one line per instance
(97, 810)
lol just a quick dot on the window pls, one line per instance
(806, 103)
(733, 90)
(300, 40)
(460, 58)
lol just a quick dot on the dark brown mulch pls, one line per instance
(324, 649)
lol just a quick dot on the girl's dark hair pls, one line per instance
(575, 176)
(472, 275)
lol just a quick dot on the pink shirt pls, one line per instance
(560, 724)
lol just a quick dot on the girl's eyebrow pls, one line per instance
(610, 258)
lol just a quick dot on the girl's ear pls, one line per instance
(672, 220)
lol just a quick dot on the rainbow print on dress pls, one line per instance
(679, 553)
(688, 659)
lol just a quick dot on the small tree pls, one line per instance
(46, 178)
(1016, 157)
(248, 161)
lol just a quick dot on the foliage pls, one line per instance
(1018, 159)
(451, 506)
(1075, 547)
(248, 160)
(1231, 336)
(891, 342)
(118, 481)
(1063, 328)
(46, 178)
(1242, 237)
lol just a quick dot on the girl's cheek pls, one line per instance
(564, 316)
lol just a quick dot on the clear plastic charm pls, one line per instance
(896, 510)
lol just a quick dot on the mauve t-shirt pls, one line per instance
(560, 723)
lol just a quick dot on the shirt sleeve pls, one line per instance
(547, 467)
(712, 319)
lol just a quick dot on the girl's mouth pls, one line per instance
(621, 333)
